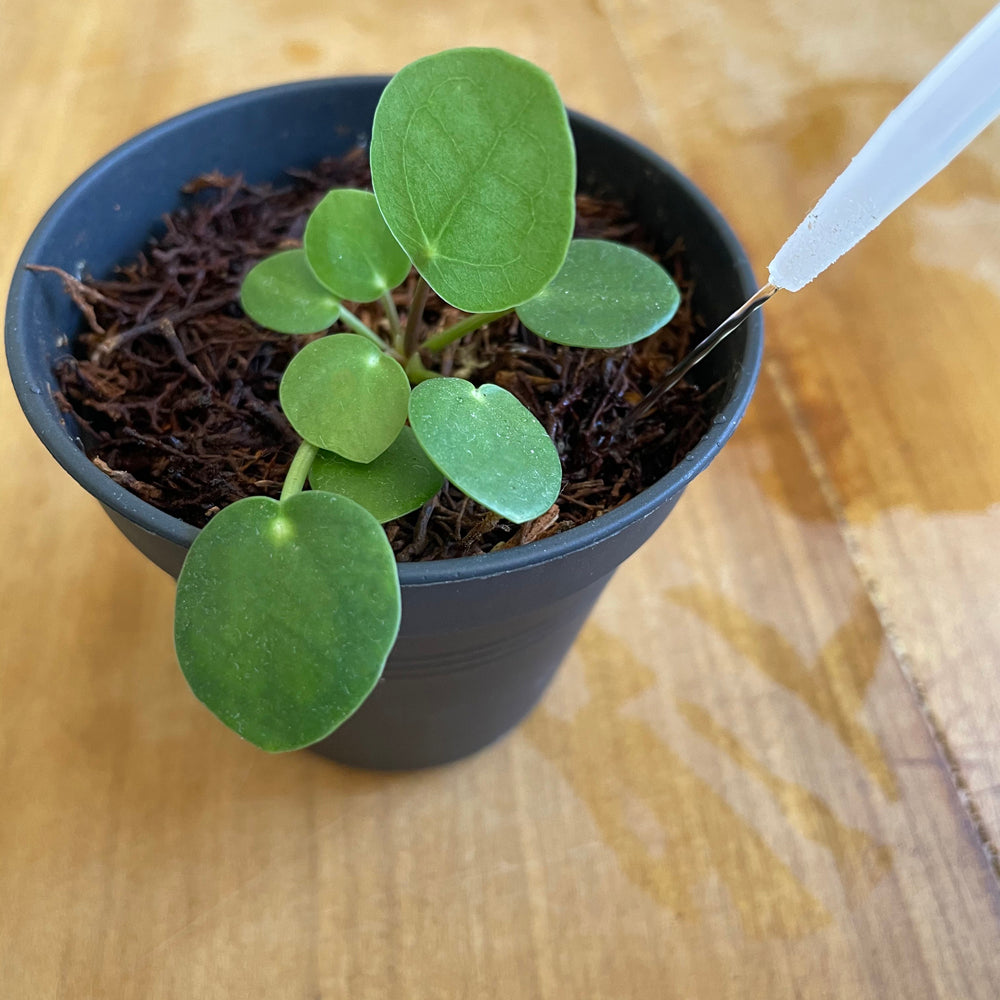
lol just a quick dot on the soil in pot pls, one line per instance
(176, 391)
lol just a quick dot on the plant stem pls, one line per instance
(442, 339)
(389, 304)
(298, 470)
(358, 327)
(416, 371)
(417, 304)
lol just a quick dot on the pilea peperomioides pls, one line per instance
(287, 610)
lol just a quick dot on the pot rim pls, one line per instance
(61, 445)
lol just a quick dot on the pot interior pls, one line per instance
(106, 217)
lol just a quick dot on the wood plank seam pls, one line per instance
(828, 491)
(786, 395)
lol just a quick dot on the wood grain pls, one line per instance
(888, 364)
(768, 767)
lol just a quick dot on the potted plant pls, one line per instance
(309, 580)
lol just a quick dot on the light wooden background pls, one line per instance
(771, 765)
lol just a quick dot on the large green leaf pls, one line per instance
(474, 169)
(344, 395)
(488, 444)
(401, 479)
(350, 249)
(286, 612)
(282, 293)
(605, 295)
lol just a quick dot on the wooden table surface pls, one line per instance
(770, 766)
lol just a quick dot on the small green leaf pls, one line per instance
(282, 293)
(286, 612)
(605, 295)
(343, 394)
(401, 479)
(474, 169)
(350, 248)
(489, 445)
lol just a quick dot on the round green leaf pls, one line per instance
(605, 295)
(350, 248)
(488, 444)
(343, 394)
(282, 293)
(286, 612)
(401, 479)
(474, 169)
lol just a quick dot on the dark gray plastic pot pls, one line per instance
(481, 637)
